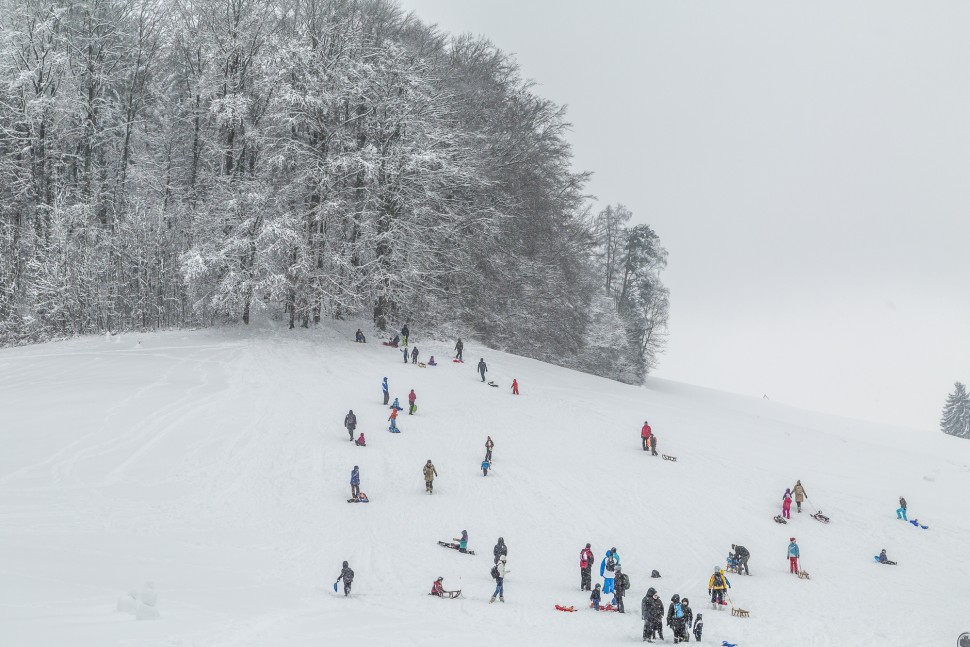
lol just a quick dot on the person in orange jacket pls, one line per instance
(515, 387)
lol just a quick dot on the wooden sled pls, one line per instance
(493, 384)
(449, 595)
(669, 458)
(422, 365)
(803, 575)
(818, 516)
(741, 613)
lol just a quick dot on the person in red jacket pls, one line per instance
(411, 398)
(585, 566)
(645, 435)
(515, 387)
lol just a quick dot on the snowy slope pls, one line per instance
(215, 464)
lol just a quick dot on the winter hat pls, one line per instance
(650, 591)
(439, 579)
(597, 586)
(355, 467)
(345, 564)
(587, 545)
(655, 573)
(675, 598)
(685, 602)
(791, 539)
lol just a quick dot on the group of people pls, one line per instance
(679, 617)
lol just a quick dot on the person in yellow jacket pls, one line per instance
(717, 587)
(429, 473)
(800, 494)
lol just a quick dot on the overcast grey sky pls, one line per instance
(807, 165)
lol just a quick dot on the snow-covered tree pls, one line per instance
(956, 413)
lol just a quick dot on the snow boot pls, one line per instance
(492, 599)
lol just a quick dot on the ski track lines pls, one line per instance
(216, 463)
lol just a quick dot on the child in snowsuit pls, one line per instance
(354, 485)
(901, 511)
(485, 466)
(431, 361)
(414, 355)
(438, 588)
(462, 542)
(652, 612)
(360, 442)
(429, 473)
(411, 398)
(350, 422)
(717, 586)
(653, 444)
(793, 555)
(397, 406)
(688, 618)
(595, 597)
(585, 566)
(515, 387)
(676, 620)
(698, 627)
(786, 504)
(347, 575)
(800, 494)
(384, 388)
(883, 559)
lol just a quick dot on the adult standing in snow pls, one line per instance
(743, 555)
(405, 333)
(411, 398)
(482, 368)
(355, 483)
(793, 555)
(608, 571)
(498, 574)
(717, 586)
(676, 620)
(488, 449)
(350, 422)
(800, 494)
(387, 395)
(901, 511)
(500, 550)
(414, 355)
(429, 473)
(459, 347)
(652, 612)
(347, 575)
(515, 386)
(645, 432)
(786, 504)
(585, 567)
(620, 589)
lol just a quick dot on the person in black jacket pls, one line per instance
(459, 347)
(347, 575)
(618, 590)
(652, 612)
(414, 355)
(500, 549)
(743, 555)
(482, 368)
(350, 422)
(676, 620)
(688, 617)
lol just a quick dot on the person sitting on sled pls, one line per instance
(883, 559)
(360, 442)
(397, 405)
(359, 337)
(438, 588)
(431, 361)
(462, 542)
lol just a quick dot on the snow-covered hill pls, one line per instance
(215, 464)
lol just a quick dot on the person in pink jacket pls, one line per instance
(786, 504)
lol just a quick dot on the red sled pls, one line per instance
(606, 607)
(458, 361)
(559, 607)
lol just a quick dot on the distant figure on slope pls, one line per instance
(431, 361)
(901, 510)
(645, 432)
(482, 368)
(462, 542)
(515, 386)
(393, 342)
(608, 571)
(786, 504)
(585, 568)
(595, 597)
(717, 586)
(393, 428)
(500, 550)
(359, 337)
(793, 555)
(429, 473)
(676, 620)
(414, 355)
(350, 422)
(619, 590)
(438, 588)
(486, 465)
(743, 556)
(360, 442)
(800, 494)
(406, 353)
(488, 448)
(698, 627)
(405, 333)
(459, 347)
(498, 574)
(397, 405)
(411, 407)
(347, 575)
(355, 483)
(653, 444)
(883, 559)
(384, 388)
(652, 612)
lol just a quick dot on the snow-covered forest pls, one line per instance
(169, 163)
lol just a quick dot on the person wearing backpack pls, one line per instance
(652, 612)
(347, 575)
(498, 574)
(717, 586)
(585, 566)
(350, 422)
(607, 571)
(676, 620)
(622, 584)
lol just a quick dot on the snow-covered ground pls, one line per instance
(215, 464)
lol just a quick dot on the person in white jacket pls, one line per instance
(498, 572)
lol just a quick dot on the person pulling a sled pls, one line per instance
(354, 484)
(793, 555)
(800, 494)
(717, 586)
(482, 368)
(429, 473)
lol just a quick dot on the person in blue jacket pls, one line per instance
(397, 405)
(608, 570)
(386, 394)
(355, 483)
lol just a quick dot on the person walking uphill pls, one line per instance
(489, 444)
(482, 368)
(347, 575)
(793, 555)
(387, 395)
(350, 422)
(786, 504)
(800, 494)
(411, 398)
(645, 432)
(717, 586)
(498, 574)
(429, 473)
(459, 347)
(500, 550)
(901, 511)
(355, 482)
(652, 612)
(585, 567)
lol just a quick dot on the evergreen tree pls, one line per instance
(956, 413)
